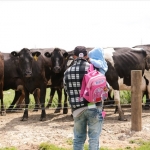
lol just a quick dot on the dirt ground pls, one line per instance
(27, 135)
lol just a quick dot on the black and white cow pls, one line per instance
(145, 78)
(146, 47)
(120, 65)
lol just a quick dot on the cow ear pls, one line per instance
(14, 53)
(47, 54)
(65, 54)
(37, 54)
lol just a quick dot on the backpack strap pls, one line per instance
(83, 84)
(91, 68)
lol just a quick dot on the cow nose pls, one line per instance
(57, 69)
(28, 73)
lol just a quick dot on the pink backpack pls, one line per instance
(94, 86)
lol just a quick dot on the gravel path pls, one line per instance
(27, 135)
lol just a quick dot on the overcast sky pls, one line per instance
(66, 24)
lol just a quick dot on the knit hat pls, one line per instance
(80, 51)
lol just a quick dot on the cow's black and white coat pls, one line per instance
(120, 66)
(121, 61)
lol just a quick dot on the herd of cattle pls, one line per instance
(31, 71)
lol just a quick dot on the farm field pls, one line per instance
(57, 129)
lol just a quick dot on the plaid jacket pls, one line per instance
(72, 82)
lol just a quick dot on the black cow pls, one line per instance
(58, 58)
(11, 77)
(55, 79)
(12, 80)
(1, 83)
(32, 73)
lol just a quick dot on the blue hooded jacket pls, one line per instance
(96, 56)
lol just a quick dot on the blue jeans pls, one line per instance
(91, 120)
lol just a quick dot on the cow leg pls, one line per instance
(3, 112)
(65, 109)
(25, 115)
(147, 103)
(59, 106)
(20, 102)
(42, 101)
(17, 95)
(51, 97)
(109, 100)
(147, 92)
(117, 102)
(36, 95)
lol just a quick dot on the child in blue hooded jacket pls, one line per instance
(96, 57)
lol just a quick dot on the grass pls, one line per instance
(8, 148)
(125, 98)
(46, 146)
(69, 141)
(143, 145)
(9, 95)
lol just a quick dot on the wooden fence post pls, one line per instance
(136, 100)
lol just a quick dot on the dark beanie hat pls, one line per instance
(80, 51)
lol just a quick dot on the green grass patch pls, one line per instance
(143, 145)
(104, 148)
(8, 148)
(125, 97)
(69, 141)
(47, 146)
(9, 96)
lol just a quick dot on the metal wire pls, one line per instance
(53, 107)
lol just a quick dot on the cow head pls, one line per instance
(26, 59)
(58, 59)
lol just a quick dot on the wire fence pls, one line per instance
(33, 106)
